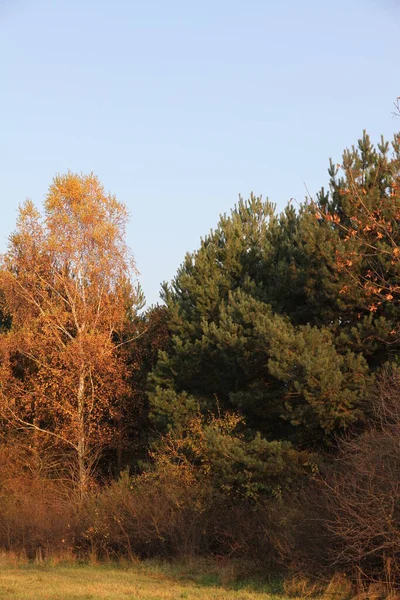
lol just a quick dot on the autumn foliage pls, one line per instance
(365, 210)
(66, 283)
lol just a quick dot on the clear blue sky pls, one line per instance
(178, 106)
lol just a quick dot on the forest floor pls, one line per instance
(27, 581)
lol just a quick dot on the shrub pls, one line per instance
(363, 492)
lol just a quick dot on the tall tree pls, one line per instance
(241, 341)
(362, 212)
(66, 283)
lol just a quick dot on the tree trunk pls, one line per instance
(81, 441)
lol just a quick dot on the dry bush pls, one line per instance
(363, 492)
(34, 520)
(170, 513)
(259, 532)
(340, 587)
(299, 586)
(37, 509)
(309, 539)
(157, 514)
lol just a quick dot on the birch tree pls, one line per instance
(66, 278)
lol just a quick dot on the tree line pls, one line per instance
(254, 414)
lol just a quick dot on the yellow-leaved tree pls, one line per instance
(66, 279)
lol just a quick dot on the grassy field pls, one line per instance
(142, 582)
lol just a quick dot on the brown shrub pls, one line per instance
(363, 492)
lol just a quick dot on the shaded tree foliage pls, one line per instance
(239, 343)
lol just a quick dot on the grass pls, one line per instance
(145, 581)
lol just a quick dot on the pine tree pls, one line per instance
(361, 215)
(240, 342)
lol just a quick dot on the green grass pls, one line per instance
(106, 582)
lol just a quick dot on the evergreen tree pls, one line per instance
(361, 213)
(237, 343)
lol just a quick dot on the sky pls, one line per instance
(180, 106)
